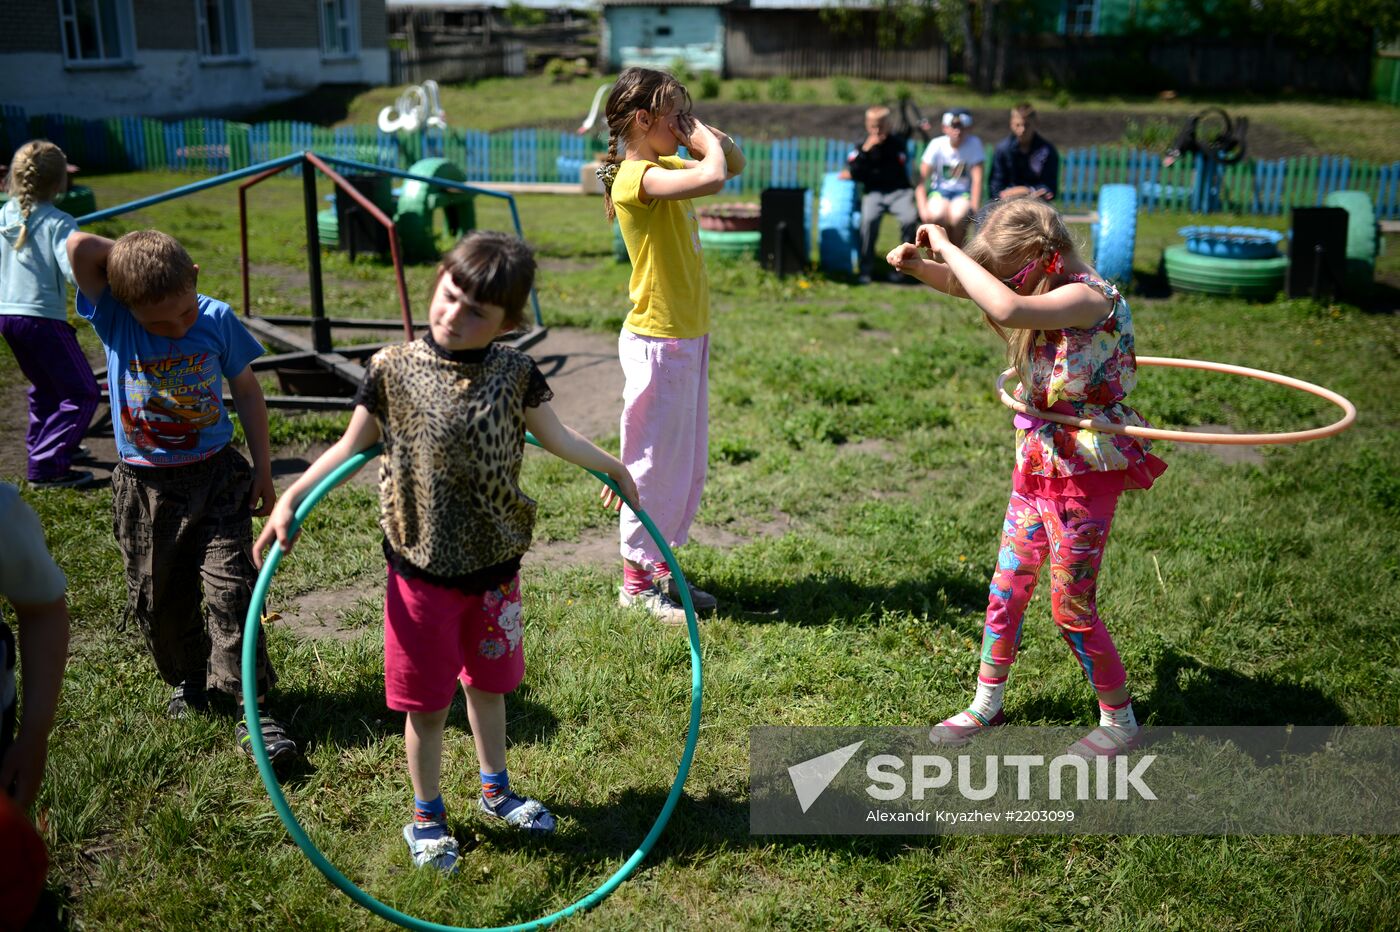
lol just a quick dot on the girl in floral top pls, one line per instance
(1069, 335)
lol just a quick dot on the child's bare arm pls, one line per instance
(568, 444)
(87, 257)
(252, 414)
(734, 158)
(361, 434)
(1072, 305)
(707, 177)
(907, 258)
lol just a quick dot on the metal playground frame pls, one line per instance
(329, 373)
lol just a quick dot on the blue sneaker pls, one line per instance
(438, 849)
(529, 815)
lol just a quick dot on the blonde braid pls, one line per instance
(36, 176)
(608, 172)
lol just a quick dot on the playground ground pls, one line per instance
(859, 471)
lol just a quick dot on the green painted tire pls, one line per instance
(77, 200)
(1363, 239)
(730, 244)
(1244, 278)
(418, 201)
(328, 228)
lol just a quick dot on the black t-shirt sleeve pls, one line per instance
(537, 390)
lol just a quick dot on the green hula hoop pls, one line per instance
(279, 801)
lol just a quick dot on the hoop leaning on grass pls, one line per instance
(279, 801)
(1193, 436)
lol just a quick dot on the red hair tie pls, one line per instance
(1054, 265)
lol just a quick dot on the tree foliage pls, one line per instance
(1321, 25)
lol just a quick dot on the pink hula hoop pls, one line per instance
(1191, 436)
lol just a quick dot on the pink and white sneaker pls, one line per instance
(1106, 741)
(961, 728)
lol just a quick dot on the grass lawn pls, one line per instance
(861, 463)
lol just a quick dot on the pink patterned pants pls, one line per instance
(1072, 533)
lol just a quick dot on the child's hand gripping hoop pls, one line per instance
(279, 801)
(1195, 436)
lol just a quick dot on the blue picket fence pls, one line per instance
(530, 156)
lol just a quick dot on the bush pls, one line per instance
(559, 70)
(518, 14)
(745, 90)
(779, 88)
(845, 91)
(903, 92)
(709, 86)
(1155, 136)
(681, 71)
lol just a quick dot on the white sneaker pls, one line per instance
(658, 605)
(702, 600)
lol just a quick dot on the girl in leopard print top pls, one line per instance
(451, 411)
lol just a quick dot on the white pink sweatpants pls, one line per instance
(665, 436)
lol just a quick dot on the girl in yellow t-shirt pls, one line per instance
(665, 343)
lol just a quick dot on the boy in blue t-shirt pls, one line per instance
(182, 497)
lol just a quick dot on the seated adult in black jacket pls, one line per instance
(880, 163)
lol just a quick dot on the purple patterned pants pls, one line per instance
(63, 393)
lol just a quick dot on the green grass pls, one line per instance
(1360, 129)
(861, 461)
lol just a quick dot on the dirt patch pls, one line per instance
(582, 369)
(873, 446)
(318, 614)
(1229, 453)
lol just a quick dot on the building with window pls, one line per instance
(97, 58)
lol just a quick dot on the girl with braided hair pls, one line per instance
(34, 274)
(665, 344)
(1069, 334)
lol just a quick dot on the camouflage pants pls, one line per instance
(186, 536)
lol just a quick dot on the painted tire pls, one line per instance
(1115, 235)
(328, 228)
(838, 225)
(77, 200)
(732, 244)
(1363, 241)
(418, 200)
(1243, 278)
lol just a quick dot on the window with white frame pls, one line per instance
(96, 32)
(340, 28)
(1081, 17)
(225, 29)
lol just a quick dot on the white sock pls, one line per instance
(1121, 718)
(987, 702)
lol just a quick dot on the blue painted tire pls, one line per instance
(1115, 235)
(838, 225)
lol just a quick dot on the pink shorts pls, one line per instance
(435, 636)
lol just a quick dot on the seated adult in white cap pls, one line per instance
(950, 173)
